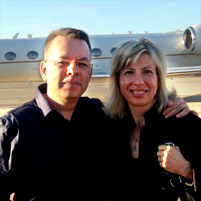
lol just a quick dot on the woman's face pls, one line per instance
(139, 82)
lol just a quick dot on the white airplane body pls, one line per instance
(173, 45)
(20, 58)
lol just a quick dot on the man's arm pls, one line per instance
(8, 133)
(177, 107)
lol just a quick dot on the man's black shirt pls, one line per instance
(44, 156)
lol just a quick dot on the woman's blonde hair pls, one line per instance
(127, 53)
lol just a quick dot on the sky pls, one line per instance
(40, 17)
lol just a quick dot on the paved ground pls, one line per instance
(15, 94)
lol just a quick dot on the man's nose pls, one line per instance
(72, 69)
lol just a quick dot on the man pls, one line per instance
(57, 146)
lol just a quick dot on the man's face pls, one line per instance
(67, 69)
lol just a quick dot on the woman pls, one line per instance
(137, 100)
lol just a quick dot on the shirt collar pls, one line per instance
(40, 99)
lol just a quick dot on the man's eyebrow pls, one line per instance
(80, 59)
(83, 58)
(64, 57)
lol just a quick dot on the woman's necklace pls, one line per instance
(135, 138)
(134, 147)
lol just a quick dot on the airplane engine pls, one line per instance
(192, 39)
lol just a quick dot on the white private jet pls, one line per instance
(20, 58)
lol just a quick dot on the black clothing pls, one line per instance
(44, 156)
(143, 178)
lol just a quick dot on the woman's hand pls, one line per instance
(179, 108)
(171, 159)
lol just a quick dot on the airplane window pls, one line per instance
(10, 56)
(32, 55)
(112, 50)
(96, 52)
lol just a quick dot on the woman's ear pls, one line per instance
(43, 70)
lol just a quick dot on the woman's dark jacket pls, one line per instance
(143, 178)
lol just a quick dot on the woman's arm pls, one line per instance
(172, 160)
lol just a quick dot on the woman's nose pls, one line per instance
(138, 79)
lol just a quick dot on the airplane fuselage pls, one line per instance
(20, 58)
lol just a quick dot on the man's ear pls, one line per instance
(43, 70)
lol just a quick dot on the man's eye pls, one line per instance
(82, 65)
(63, 63)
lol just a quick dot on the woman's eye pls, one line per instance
(128, 72)
(148, 71)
